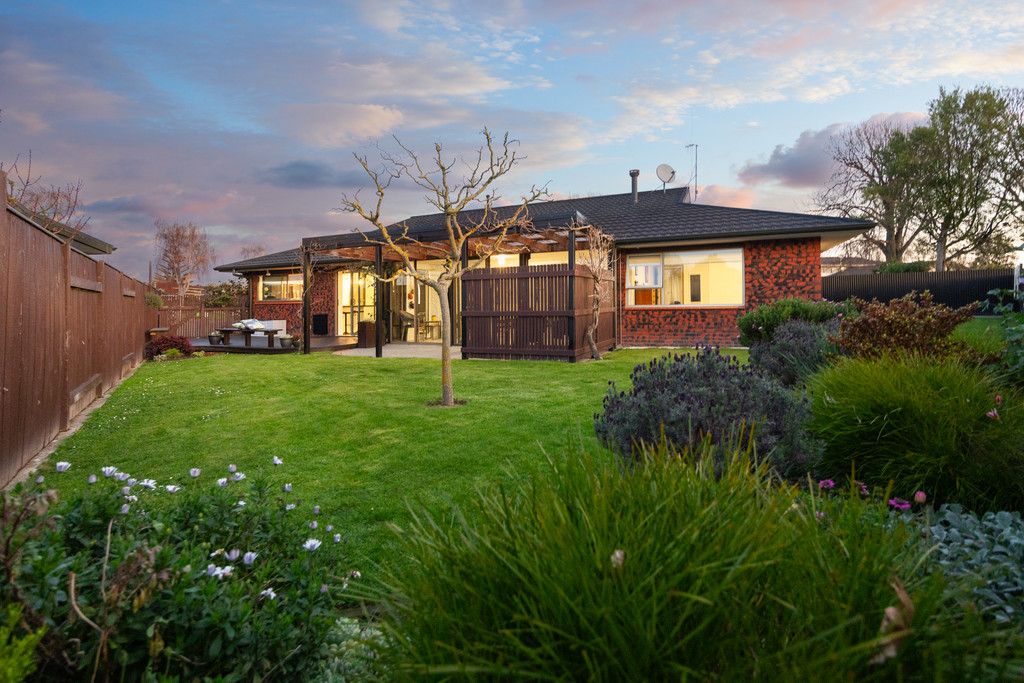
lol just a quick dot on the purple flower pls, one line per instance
(148, 483)
(231, 468)
(121, 476)
(92, 479)
(819, 514)
(124, 509)
(330, 527)
(316, 509)
(287, 488)
(125, 490)
(826, 483)
(39, 479)
(899, 503)
(132, 482)
(222, 482)
(237, 476)
(323, 587)
(278, 461)
(233, 554)
(289, 506)
(249, 558)
(63, 466)
(311, 544)
(268, 593)
(337, 538)
(108, 471)
(313, 524)
(172, 488)
(194, 472)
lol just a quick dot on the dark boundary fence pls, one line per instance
(954, 288)
(72, 328)
(532, 313)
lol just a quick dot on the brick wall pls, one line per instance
(324, 299)
(772, 270)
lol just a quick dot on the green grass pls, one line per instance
(356, 434)
(985, 334)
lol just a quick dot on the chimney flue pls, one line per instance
(634, 174)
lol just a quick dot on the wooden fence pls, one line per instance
(532, 312)
(954, 288)
(188, 317)
(72, 327)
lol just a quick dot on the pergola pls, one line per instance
(550, 234)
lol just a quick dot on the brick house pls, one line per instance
(684, 272)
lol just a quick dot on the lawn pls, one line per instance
(356, 435)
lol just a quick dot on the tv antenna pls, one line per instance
(694, 145)
(666, 174)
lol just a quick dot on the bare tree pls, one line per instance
(183, 253)
(53, 207)
(253, 251)
(598, 261)
(451, 193)
(864, 186)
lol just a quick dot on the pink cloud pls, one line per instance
(721, 195)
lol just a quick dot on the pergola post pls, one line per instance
(378, 262)
(307, 277)
(572, 296)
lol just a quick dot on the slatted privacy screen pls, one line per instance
(954, 288)
(530, 312)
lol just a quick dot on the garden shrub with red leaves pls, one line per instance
(161, 345)
(912, 324)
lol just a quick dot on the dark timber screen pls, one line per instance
(532, 313)
(954, 288)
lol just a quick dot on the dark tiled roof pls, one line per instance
(291, 259)
(657, 216)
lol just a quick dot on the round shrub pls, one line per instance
(161, 345)
(797, 349)
(760, 324)
(942, 427)
(688, 398)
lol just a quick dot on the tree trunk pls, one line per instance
(592, 327)
(447, 391)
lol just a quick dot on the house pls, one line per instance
(684, 273)
(848, 265)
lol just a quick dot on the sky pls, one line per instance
(245, 116)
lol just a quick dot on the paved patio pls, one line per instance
(403, 350)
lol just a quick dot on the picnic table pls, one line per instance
(247, 333)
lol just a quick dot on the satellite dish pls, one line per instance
(666, 173)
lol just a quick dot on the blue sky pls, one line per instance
(244, 116)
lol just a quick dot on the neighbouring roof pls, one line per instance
(87, 244)
(289, 259)
(657, 216)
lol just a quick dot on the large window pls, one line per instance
(280, 287)
(685, 278)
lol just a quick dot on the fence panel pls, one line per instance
(525, 313)
(954, 288)
(71, 327)
(188, 317)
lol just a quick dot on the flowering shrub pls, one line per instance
(161, 345)
(944, 427)
(911, 324)
(760, 324)
(797, 349)
(688, 398)
(136, 579)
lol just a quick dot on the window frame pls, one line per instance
(662, 272)
(290, 279)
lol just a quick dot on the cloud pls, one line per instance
(804, 164)
(333, 125)
(302, 174)
(721, 195)
(169, 202)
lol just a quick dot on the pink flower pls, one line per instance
(899, 504)
(999, 399)
(826, 483)
(994, 414)
(920, 497)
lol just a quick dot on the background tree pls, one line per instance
(183, 253)
(863, 185)
(960, 194)
(253, 251)
(53, 207)
(597, 259)
(451, 192)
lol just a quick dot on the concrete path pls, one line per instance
(403, 350)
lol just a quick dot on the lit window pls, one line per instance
(281, 287)
(685, 278)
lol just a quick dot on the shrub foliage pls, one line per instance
(688, 398)
(911, 324)
(938, 426)
(797, 349)
(161, 345)
(760, 324)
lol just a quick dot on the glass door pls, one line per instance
(356, 298)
